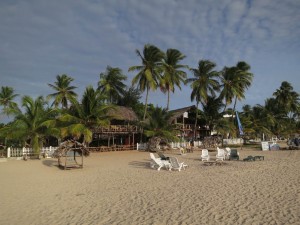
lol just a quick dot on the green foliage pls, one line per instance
(64, 92)
(149, 72)
(30, 125)
(111, 84)
(159, 125)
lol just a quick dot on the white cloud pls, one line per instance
(40, 39)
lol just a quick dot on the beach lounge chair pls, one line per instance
(249, 158)
(176, 165)
(157, 162)
(234, 154)
(205, 155)
(162, 156)
(227, 152)
(220, 154)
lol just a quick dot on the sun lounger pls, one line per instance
(157, 162)
(176, 165)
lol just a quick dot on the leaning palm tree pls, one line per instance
(111, 84)
(7, 97)
(149, 72)
(64, 92)
(173, 75)
(203, 84)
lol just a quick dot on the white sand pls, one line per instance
(121, 188)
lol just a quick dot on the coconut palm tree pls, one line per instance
(287, 99)
(158, 127)
(204, 83)
(64, 92)
(149, 72)
(111, 84)
(173, 75)
(29, 124)
(83, 116)
(234, 82)
(7, 97)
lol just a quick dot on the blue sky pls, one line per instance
(40, 39)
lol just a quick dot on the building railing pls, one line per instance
(118, 129)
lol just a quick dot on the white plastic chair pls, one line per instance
(205, 155)
(157, 162)
(176, 165)
(220, 154)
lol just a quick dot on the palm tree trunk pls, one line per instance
(168, 103)
(195, 126)
(146, 103)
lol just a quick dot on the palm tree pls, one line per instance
(245, 78)
(172, 73)
(6, 99)
(287, 98)
(30, 124)
(203, 84)
(90, 113)
(64, 92)
(149, 72)
(234, 82)
(111, 85)
(159, 127)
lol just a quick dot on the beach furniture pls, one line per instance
(157, 162)
(176, 165)
(249, 158)
(220, 154)
(205, 155)
(227, 152)
(234, 154)
(259, 157)
(162, 156)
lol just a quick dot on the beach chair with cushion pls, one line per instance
(205, 155)
(234, 154)
(176, 165)
(157, 162)
(249, 158)
(220, 154)
(162, 156)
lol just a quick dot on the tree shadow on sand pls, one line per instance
(139, 164)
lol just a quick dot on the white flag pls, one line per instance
(185, 115)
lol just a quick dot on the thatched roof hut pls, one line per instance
(122, 113)
(70, 154)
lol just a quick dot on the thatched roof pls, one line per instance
(123, 113)
(179, 112)
(70, 145)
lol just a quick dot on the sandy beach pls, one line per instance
(121, 188)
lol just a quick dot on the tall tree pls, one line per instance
(204, 83)
(111, 84)
(173, 75)
(7, 97)
(149, 72)
(64, 92)
(234, 82)
(287, 99)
